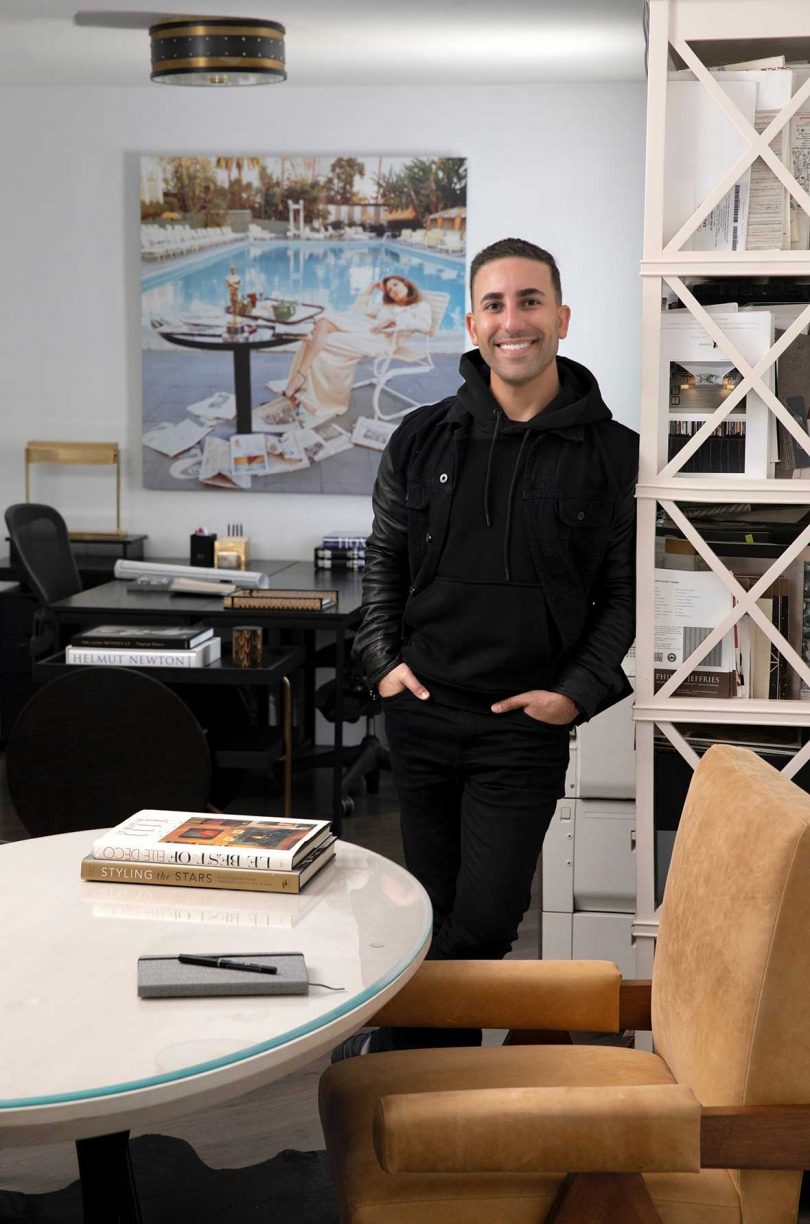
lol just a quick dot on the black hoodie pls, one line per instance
(480, 630)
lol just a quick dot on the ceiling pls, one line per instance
(358, 42)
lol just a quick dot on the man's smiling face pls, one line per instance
(516, 320)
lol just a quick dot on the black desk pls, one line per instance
(114, 603)
(262, 747)
(17, 606)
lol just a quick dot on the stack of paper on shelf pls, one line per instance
(200, 850)
(755, 214)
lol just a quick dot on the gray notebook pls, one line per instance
(164, 977)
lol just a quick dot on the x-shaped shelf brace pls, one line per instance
(760, 146)
(790, 769)
(745, 602)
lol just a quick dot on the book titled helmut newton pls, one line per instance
(258, 843)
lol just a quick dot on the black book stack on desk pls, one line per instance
(145, 646)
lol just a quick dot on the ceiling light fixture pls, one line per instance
(218, 51)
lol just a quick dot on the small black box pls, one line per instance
(201, 550)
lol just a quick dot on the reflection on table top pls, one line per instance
(115, 600)
(86, 1047)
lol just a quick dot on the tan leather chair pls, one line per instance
(708, 1130)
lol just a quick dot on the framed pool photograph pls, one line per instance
(293, 311)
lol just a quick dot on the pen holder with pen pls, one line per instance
(233, 550)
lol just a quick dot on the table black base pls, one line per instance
(109, 1195)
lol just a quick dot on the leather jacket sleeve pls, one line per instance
(593, 677)
(378, 641)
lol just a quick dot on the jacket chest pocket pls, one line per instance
(417, 506)
(427, 504)
(585, 528)
(593, 514)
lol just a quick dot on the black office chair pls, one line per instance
(41, 545)
(40, 540)
(361, 763)
(99, 743)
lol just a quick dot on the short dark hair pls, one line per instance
(509, 248)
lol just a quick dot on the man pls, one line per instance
(498, 605)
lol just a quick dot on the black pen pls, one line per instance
(223, 962)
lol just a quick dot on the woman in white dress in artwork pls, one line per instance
(322, 372)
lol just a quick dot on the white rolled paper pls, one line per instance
(243, 578)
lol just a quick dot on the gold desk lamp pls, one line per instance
(106, 453)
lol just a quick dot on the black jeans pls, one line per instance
(477, 792)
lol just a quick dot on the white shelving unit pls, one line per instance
(737, 31)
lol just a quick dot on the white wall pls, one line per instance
(560, 165)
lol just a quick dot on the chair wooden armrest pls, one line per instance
(516, 994)
(634, 1013)
(755, 1137)
(609, 1129)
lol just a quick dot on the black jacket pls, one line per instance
(578, 469)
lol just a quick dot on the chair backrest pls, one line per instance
(99, 743)
(731, 985)
(438, 305)
(40, 538)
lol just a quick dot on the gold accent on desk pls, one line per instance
(231, 552)
(106, 453)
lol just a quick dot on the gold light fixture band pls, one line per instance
(206, 31)
(233, 62)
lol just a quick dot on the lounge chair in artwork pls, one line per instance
(412, 355)
(452, 241)
(256, 233)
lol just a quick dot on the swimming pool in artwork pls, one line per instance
(330, 273)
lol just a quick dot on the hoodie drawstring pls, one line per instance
(497, 415)
(508, 529)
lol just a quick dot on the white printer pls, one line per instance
(588, 865)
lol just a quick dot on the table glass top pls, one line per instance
(69, 949)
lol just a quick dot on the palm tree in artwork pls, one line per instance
(235, 167)
(240, 194)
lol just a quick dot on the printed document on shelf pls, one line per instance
(688, 605)
(768, 221)
(701, 147)
(685, 342)
(800, 163)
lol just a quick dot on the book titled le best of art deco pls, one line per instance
(259, 843)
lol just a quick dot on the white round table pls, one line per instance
(86, 1057)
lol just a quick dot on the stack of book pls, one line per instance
(198, 850)
(145, 646)
(282, 599)
(341, 550)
